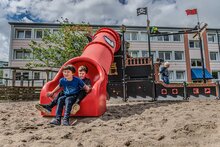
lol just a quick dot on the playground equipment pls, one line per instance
(139, 83)
(128, 77)
(141, 80)
(97, 56)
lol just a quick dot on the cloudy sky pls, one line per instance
(108, 12)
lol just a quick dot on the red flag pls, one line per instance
(191, 11)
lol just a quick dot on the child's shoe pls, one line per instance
(43, 108)
(55, 121)
(66, 122)
(75, 108)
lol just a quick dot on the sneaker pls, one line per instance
(43, 108)
(55, 121)
(66, 122)
(75, 109)
(74, 122)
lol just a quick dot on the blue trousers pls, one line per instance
(166, 80)
(66, 101)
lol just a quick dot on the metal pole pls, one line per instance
(152, 60)
(201, 51)
(185, 96)
(217, 90)
(123, 28)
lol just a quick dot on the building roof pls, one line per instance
(99, 25)
(94, 25)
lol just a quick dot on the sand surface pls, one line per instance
(137, 123)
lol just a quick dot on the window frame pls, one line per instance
(181, 55)
(35, 33)
(195, 44)
(196, 62)
(164, 56)
(184, 75)
(132, 51)
(24, 36)
(213, 35)
(179, 38)
(216, 56)
(23, 53)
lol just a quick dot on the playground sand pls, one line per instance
(160, 124)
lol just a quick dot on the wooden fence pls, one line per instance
(19, 93)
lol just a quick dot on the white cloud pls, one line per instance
(161, 13)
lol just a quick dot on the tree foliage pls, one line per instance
(57, 48)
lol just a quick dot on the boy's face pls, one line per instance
(82, 74)
(68, 74)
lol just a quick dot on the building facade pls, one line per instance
(181, 50)
(2, 64)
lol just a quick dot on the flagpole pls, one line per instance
(197, 17)
(201, 48)
(152, 58)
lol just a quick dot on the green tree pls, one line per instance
(57, 48)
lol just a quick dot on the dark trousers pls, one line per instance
(80, 97)
(55, 100)
(66, 101)
(82, 94)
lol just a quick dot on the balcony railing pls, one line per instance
(137, 61)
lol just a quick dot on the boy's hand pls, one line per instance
(90, 89)
(87, 89)
(50, 94)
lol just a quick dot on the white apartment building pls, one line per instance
(182, 51)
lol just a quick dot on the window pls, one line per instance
(214, 56)
(28, 34)
(27, 54)
(18, 76)
(176, 37)
(37, 75)
(38, 34)
(143, 36)
(22, 34)
(159, 38)
(18, 54)
(211, 38)
(55, 31)
(196, 62)
(178, 55)
(165, 55)
(194, 44)
(171, 75)
(133, 54)
(127, 36)
(166, 38)
(134, 36)
(153, 38)
(180, 75)
(22, 54)
(131, 36)
(216, 74)
(146, 54)
(25, 75)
